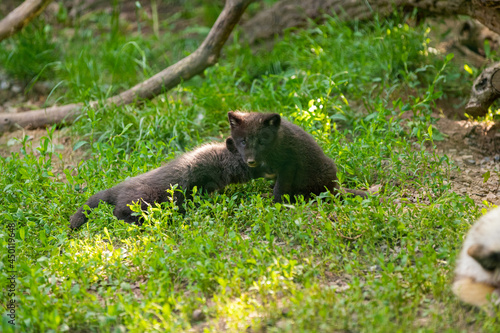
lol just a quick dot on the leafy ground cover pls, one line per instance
(236, 261)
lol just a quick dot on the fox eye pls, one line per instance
(243, 143)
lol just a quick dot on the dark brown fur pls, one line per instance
(300, 165)
(210, 167)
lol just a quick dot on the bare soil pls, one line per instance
(475, 148)
(62, 145)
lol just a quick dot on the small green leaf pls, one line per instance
(338, 116)
(342, 97)
(75, 289)
(371, 116)
(43, 237)
(79, 144)
(486, 176)
(125, 128)
(487, 48)
(125, 286)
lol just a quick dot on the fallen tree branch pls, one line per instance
(39, 118)
(485, 90)
(206, 55)
(21, 16)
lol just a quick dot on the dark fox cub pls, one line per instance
(210, 167)
(298, 161)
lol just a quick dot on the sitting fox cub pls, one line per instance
(477, 275)
(210, 167)
(298, 161)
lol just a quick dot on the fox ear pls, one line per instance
(235, 119)
(230, 145)
(272, 119)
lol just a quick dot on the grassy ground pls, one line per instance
(236, 261)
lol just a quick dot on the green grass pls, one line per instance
(383, 264)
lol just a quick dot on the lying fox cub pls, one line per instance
(210, 167)
(477, 275)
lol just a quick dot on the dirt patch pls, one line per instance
(470, 146)
(61, 145)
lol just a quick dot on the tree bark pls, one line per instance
(21, 16)
(206, 55)
(485, 91)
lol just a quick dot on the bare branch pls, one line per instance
(206, 55)
(38, 118)
(21, 16)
